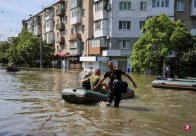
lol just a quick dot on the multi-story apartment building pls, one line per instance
(185, 10)
(91, 32)
(65, 25)
(117, 26)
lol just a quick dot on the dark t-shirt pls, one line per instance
(114, 75)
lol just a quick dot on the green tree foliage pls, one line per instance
(25, 50)
(188, 64)
(160, 37)
(4, 46)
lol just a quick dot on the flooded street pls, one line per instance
(31, 104)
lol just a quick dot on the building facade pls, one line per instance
(66, 25)
(88, 33)
(117, 26)
(185, 10)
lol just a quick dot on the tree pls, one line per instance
(4, 46)
(161, 37)
(25, 50)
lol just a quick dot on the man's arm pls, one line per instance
(99, 83)
(129, 77)
(85, 80)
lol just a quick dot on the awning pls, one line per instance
(61, 54)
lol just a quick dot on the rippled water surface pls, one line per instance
(31, 104)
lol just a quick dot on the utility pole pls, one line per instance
(40, 53)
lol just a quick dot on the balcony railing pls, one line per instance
(75, 36)
(60, 26)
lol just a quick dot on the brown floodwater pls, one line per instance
(31, 104)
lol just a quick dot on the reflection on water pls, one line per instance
(31, 104)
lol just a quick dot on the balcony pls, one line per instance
(49, 38)
(75, 20)
(75, 36)
(116, 53)
(60, 12)
(49, 16)
(76, 51)
(37, 30)
(60, 40)
(101, 33)
(75, 17)
(75, 3)
(100, 15)
(60, 26)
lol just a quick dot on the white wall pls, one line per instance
(135, 16)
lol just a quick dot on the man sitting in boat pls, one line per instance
(87, 84)
(168, 73)
(94, 79)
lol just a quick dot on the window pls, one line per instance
(97, 24)
(153, 3)
(180, 5)
(73, 44)
(142, 24)
(125, 5)
(143, 5)
(160, 3)
(194, 3)
(98, 6)
(73, 13)
(124, 25)
(124, 44)
(99, 42)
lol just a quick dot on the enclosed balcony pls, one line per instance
(49, 25)
(75, 51)
(49, 14)
(60, 26)
(75, 47)
(37, 30)
(75, 36)
(75, 17)
(75, 3)
(102, 14)
(49, 37)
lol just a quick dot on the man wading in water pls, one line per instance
(114, 75)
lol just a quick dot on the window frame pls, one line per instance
(143, 5)
(124, 6)
(124, 25)
(124, 42)
(180, 5)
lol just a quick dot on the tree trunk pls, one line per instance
(160, 66)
